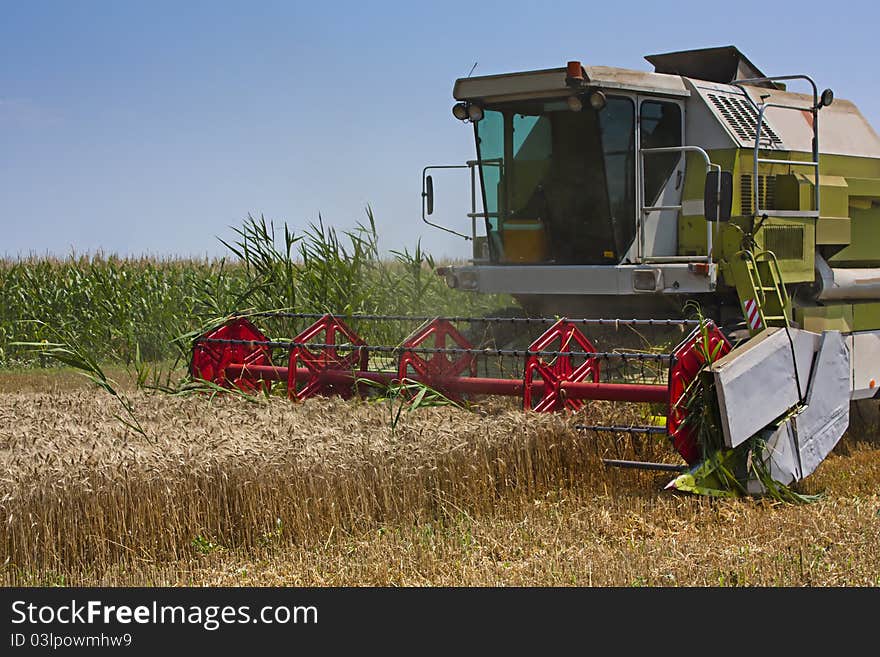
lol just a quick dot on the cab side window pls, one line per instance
(660, 126)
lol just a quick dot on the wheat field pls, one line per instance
(138, 487)
(222, 491)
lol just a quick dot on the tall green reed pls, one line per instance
(130, 310)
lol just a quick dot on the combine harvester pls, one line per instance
(611, 192)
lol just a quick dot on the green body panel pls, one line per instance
(825, 318)
(845, 317)
(866, 316)
(849, 217)
(850, 199)
(692, 229)
(864, 247)
(831, 231)
(793, 191)
(847, 230)
(794, 243)
(797, 236)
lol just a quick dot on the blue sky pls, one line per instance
(152, 127)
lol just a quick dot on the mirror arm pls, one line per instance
(425, 197)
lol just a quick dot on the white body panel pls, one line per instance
(825, 418)
(578, 279)
(661, 226)
(756, 382)
(864, 349)
(659, 237)
(800, 443)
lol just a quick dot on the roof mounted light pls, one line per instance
(598, 100)
(459, 111)
(465, 111)
(475, 113)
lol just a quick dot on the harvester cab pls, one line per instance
(601, 191)
(694, 200)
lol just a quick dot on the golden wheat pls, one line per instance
(325, 492)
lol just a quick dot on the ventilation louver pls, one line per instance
(786, 242)
(766, 193)
(742, 118)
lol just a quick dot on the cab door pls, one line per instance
(660, 125)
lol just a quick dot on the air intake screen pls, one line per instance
(742, 119)
(766, 193)
(787, 242)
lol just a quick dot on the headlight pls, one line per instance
(597, 100)
(646, 280)
(475, 113)
(459, 111)
(467, 280)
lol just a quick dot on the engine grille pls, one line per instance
(766, 193)
(787, 242)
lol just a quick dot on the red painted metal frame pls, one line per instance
(326, 371)
(578, 390)
(315, 363)
(210, 360)
(437, 366)
(560, 371)
(688, 361)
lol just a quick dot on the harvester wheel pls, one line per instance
(864, 421)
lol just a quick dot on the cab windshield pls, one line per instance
(558, 185)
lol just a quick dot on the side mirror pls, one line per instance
(429, 194)
(718, 196)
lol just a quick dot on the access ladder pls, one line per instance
(763, 297)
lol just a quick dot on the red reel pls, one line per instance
(210, 359)
(688, 361)
(559, 337)
(432, 368)
(328, 357)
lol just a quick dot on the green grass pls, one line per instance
(130, 310)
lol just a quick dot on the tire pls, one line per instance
(864, 421)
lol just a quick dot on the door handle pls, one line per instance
(678, 176)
